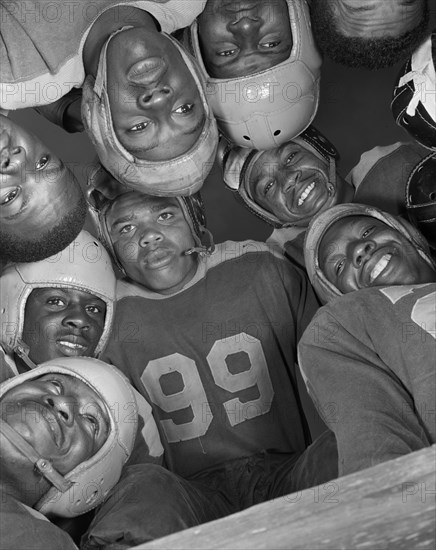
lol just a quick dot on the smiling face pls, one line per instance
(60, 416)
(156, 108)
(62, 322)
(361, 251)
(36, 189)
(293, 184)
(150, 236)
(242, 38)
(375, 19)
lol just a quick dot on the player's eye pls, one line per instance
(92, 423)
(56, 301)
(268, 187)
(271, 44)
(227, 53)
(42, 162)
(127, 228)
(184, 109)
(165, 216)
(339, 266)
(57, 385)
(12, 195)
(139, 127)
(93, 309)
(367, 232)
(291, 158)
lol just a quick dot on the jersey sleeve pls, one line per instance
(364, 386)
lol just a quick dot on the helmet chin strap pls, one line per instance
(42, 465)
(204, 249)
(22, 350)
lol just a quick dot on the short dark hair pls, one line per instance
(52, 241)
(356, 52)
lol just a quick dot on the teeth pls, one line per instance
(380, 266)
(71, 345)
(306, 193)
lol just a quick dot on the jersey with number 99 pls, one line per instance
(217, 359)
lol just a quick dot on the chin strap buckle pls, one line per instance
(22, 350)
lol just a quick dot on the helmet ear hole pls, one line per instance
(247, 138)
(277, 132)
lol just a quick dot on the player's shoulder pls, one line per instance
(381, 301)
(233, 250)
(255, 257)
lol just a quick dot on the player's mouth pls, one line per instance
(236, 7)
(52, 422)
(378, 267)
(306, 192)
(157, 258)
(72, 346)
(308, 195)
(147, 71)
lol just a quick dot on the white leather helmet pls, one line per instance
(265, 109)
(84, 265)
(88, 484)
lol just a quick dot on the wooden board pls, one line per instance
(391, 505)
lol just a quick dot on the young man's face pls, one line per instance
(361, 251)
(36, 188)
(156, 108)
(242, 37)
(62, 322)
(60, 416)
(375, 19)
(150, 236)
(293, 184)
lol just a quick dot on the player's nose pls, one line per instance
(156, 97)
(150, 235)
(361, 251)
(246, 24)
(75, 317)
(11, 158)
(290, 180)
(63, 406)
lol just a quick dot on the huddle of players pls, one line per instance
(197, 327)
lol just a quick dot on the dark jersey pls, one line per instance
(217, 359)
(369, 361)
